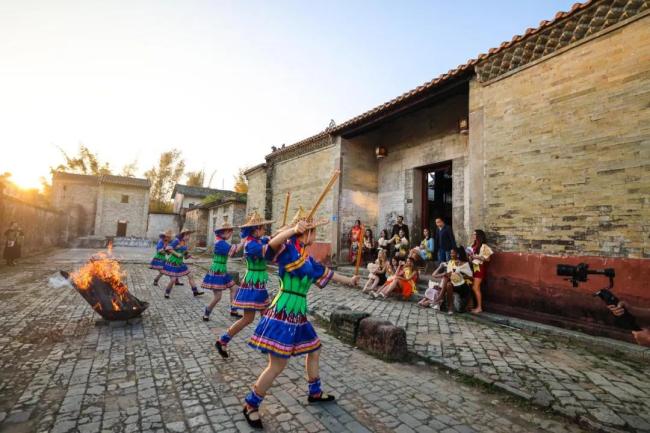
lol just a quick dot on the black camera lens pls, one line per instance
(566, 270)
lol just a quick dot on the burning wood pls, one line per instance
(100, 283)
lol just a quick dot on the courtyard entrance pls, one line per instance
(437, 194)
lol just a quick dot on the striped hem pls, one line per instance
(282, 351)
(250, 305)
(218, 286)
(325, 278)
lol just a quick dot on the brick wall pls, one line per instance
(43, 227)
(256, 197)
(78, 199)
(305, 176)
(196, 219)
(567, 150)
(110, 210)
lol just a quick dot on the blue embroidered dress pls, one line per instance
(284, 330)
(158, 261)
(252, 293)
(217, 277)
(174, 266)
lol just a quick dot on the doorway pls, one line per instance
(437, 194)
(121, 229)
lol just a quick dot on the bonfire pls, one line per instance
(101, 283)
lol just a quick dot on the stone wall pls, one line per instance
(305, 177)
(160, 222)
(413, 141)
(196, 219)
(111, 210)
(256, 198)
(567, 150)
(235, 214)
(44, 228)
(78, 198)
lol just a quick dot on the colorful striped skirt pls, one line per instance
(284, 335)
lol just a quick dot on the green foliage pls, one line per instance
(163, 177)
(84, 162)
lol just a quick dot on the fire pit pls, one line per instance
(100, 283)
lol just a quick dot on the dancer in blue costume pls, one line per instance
(252, 295)
(175, 266)
(284, 331)
(158, 261)
(217, 279)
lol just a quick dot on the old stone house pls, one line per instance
(185, 196)
(102, 205)
(543, 142)
(202, 218)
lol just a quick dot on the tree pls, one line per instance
(84, 162)
(241, 183)
(129, 169)
(195, 178)
(163, 177)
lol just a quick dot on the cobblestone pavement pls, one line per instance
(63, 369)
(600, 390)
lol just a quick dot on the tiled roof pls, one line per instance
(307, 141)
(64, 175)
(125, 180)
(198, 191)
(252, 169)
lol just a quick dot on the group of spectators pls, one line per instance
(394, 265)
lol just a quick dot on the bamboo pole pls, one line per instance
(327, 188)
(359, 250)
(286, 209)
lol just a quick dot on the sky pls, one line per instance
(222, 81)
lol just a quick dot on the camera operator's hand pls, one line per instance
(617, 310)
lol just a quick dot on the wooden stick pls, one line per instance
(359, 249)
(329, 186)
(286, 208)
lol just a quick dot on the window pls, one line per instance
(125, 198)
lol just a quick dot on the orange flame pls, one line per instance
(97, 307)
(105, 269)
(116, 306)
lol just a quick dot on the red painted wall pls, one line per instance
(321, 251)
(526, 286)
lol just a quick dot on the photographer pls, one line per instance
(642, 337)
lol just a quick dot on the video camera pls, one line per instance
(579, 274)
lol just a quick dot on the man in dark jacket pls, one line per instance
(401, 226)
(445, 240)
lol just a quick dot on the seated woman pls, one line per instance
(378, 276)
(427, 246)
(384, 242)
(368, 247)
(459, 278)
(405, 278)
(431, 298)
(401, 244)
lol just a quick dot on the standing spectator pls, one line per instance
(400, 226)
(355, 241)
(480, 256)
(427, 246)
(383, 243)
(368, 250)
(13, 242)
(445, 241)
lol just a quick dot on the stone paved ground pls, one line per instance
(63, 370)
(600, 389)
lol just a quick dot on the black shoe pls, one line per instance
(166, 295)
(178, 283)
(221, 349)
(322, 398)
(197, 293)
(235, 314)
(255, 423)
(206, 318)
(155, 282)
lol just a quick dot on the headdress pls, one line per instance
(255, 220)
(225, 225)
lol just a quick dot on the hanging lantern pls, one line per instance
(463, 126)
(380, 152)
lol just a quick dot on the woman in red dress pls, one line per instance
(355, 241)
(479, 256)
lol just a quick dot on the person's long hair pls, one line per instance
(428, 235)
(462, 254)
(384, 233)
(365, 235)
(480, 240)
